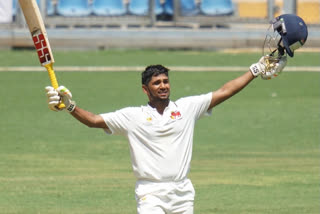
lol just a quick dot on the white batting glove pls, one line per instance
(259, 67)
(66, 97)
(53, 98)
(274, 69)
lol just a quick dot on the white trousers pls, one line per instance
(165, 197)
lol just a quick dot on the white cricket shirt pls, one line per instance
(160, 145)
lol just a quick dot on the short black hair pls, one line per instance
(153, 70)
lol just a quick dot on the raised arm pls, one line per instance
(87, 118)
(230, 88)
(267, 71)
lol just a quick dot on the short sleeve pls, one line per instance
(118, 121)
(198, 106)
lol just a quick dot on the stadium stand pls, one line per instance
(309, 11)
(159, 8)
(138, 7)
(216, 7)
(142, 7)
(245, 9)
(74, 8)
(50, 8)
(109, 8)
(146, 31)
(176, 13)
(168, 7)
(167, 11)
(14, 8)
(189, 8)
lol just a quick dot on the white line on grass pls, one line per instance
(140, 68)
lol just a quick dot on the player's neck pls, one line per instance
(160, 105)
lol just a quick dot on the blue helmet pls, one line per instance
(293, 31)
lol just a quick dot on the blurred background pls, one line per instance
(167, 24)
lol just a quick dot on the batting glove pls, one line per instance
(66, 97)
(274, 69)
(53, 98)
(259, 67)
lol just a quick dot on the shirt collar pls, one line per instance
(170, 106)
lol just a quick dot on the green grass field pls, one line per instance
(257, 154)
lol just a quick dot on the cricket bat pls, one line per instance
(39, 36)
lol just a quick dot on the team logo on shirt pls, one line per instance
(175, 115)
(149, 119)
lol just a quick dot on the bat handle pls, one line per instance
(54, 81)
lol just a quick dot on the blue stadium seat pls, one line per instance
(188, 8)
(73, 8)
(139, 7)
(158, 7)
(168, 7)
(108, 7)
(50, 8)
(216, 7)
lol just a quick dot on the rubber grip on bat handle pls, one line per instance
(54, 81)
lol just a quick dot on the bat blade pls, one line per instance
(40, 40)
(38, 31)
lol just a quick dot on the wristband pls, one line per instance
(255, 69)
(71, 107)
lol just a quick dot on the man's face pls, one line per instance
(158, 89)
